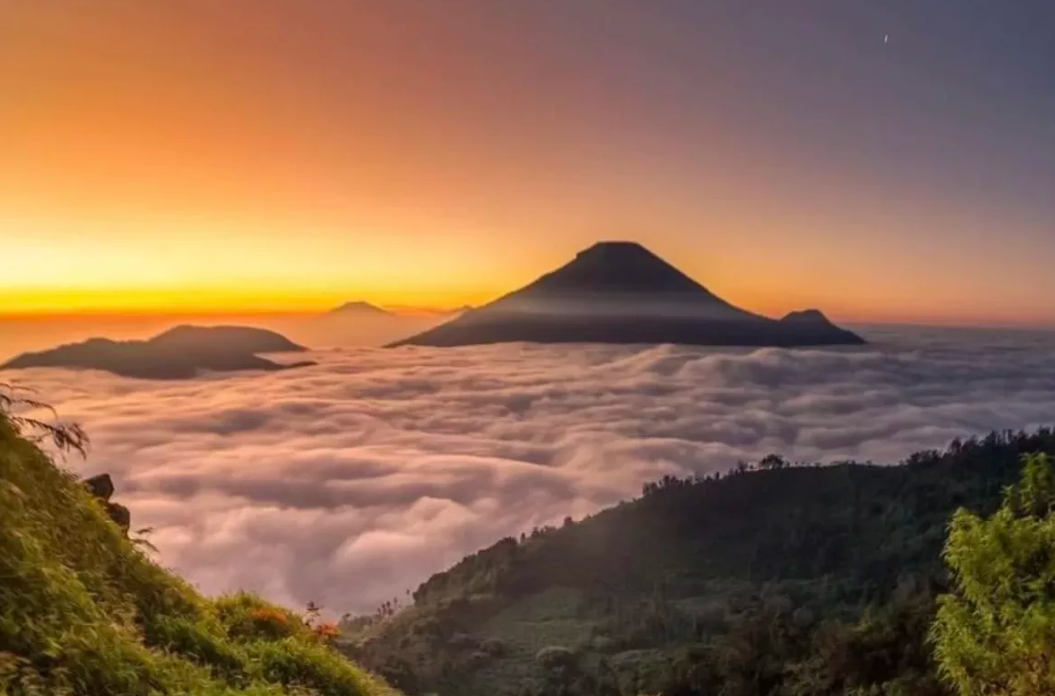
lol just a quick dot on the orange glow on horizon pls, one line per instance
(205, 302)
(235, 303)
(196, 157)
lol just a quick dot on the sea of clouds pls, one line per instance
(349, 482)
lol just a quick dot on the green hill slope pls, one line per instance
(84, 612)
(775, 579)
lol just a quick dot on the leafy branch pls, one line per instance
(66, 437)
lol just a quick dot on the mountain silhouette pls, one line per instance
(620, 292)
(179, 353)
(361, 308)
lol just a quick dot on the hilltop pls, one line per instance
(179, 353)
(779, 578)
(620, 292)
(84, 612)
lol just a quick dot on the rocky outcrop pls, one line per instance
(102, 487)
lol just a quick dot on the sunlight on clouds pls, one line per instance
(351, 481)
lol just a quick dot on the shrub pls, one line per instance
(248, 617)
(555, 658)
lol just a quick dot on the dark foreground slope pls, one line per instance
(83, 612)
(179, 353)
(782, 580)
(620, 292)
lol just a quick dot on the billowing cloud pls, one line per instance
(349, 482)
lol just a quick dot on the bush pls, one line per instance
(248, 617)
(555, 658)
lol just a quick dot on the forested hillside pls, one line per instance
(776, 578)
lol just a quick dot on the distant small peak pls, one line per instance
(358, 306)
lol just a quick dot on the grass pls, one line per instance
(83, 612)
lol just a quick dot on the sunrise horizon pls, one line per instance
(198, 157)
(246, 301)
(178, 311)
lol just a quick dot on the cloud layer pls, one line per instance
(349, 482)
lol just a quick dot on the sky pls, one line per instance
(884, 160)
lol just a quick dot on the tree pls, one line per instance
(995, 634)
(773, 461)
(560, 668)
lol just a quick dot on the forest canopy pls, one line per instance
(777, 578)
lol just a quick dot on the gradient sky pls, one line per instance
(880, 159)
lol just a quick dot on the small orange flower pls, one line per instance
(270, 616)
(327, 631)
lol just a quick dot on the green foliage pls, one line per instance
(247, 617)
(780, 579)
(995, 634)
(83, 612)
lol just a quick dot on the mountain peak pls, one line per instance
(615, 249)
(620, 292)
(617, 268)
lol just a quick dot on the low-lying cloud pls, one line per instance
(349, 482)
